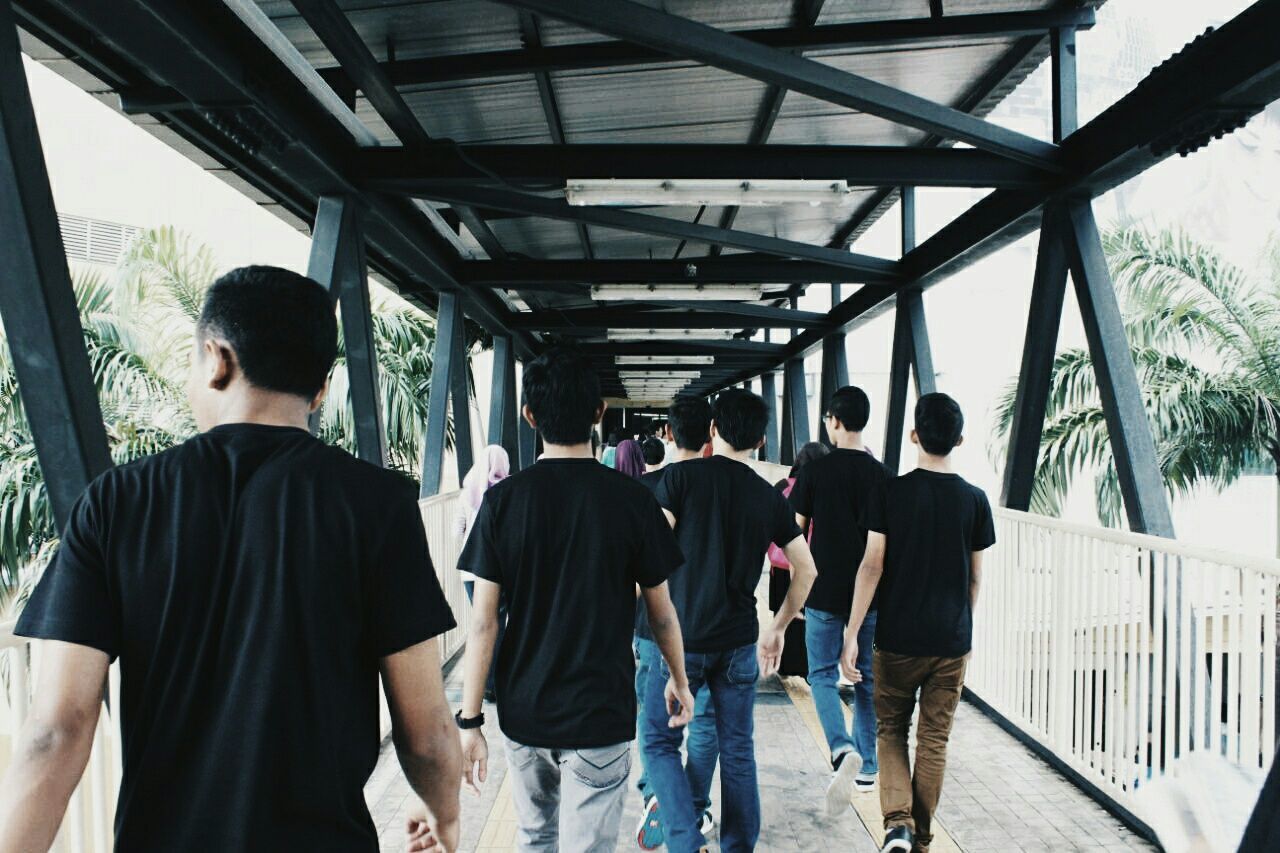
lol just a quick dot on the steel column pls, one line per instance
(503, 403)
(448, 383)
(769, 391)
(1132, 445)
(911, 353)
(1035, 375)
(38, 302)
(338, 263)
(795, 410)
(896, 409)
(835, 375)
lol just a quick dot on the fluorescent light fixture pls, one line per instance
(658, 292)
(630, 192)
(664, 359)
(672, 375)
(670, 334)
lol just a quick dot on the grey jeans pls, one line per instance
(568, 799)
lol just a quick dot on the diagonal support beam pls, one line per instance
(503, 403)
(38, 303)
(869, 269)
(691, 40)
(911, 354)
(795, 410)
(1132, 445)
(338, 263)
(448, 385)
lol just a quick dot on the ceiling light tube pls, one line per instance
(659, 375)
(659, 292)
(670, 334)
(664, 359)
(631, 192)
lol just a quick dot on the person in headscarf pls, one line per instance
(630, 458)
(493, 466)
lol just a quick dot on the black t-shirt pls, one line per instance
(651, 480)
(568, 540)
(833, 492)
(932, 523)
(249, 580)
(726, 516)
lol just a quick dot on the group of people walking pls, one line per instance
(256, 583)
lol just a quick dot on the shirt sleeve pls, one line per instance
(481, 555)
(783, 523)
(874, 515)
(984, 528)
(659, 553)
(802, 493)
(73, 601)
(670, 489)
(404, 603)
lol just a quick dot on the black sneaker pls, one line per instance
(898, 840)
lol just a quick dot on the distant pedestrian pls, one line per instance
(923, 564)
(655, 454)
(493, 467)
(630, 459)
(611, 449)
(794, 655)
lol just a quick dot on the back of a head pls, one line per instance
(630, 459)
(614, 438)
(654, 451)
(690, 419)
(563, 392)
(939, 423)
(740, 418)
(280, 325)
(810, 451)
(851, 407)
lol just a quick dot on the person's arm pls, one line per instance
(803, 574)
(481, 639)
(53, 748)
(864, 592)
(666, 633)
(426, 742)
(802, 521)
(975, 579)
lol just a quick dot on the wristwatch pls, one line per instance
(471, 723)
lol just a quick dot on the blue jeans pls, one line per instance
(731, 677)
(703, 747)
(470, 587)
(824, 639)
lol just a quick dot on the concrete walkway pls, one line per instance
(998, 797)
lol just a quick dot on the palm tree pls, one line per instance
(138, 327)
(1205, 338)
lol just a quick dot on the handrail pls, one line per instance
(1173, 547)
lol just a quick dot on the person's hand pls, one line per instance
(769, 650)
(849, 658)
(679, 703)
(427, 833)
(475, 759)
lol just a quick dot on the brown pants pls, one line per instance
(906, 799)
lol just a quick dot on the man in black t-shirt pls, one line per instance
(725, 515)
(253, 582)
(566, 541)
(831, 493)
(927, 531)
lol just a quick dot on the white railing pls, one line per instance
(1122, 653)
(438, 516)
(87, 826)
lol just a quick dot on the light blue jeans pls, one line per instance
(703, 745)
(568, 800)
(824, 639)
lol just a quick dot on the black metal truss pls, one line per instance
(416, 171)
(746, 268)
(449, 390)
(688, 39)
(613, 54)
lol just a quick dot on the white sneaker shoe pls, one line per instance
(865, 783)
(840, 789)
(707, 824)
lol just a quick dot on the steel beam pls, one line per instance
(795, 410)
(448, 385)
(863, 267)
(748, 268)
(1132, 445)
(688, 39)
(412, 171)
(337, 262)
(835, 375)
(588, 320)
(37, 301)
(911, 353)
(503, 402)
(769, 391)
(875, 35)
(896, 407)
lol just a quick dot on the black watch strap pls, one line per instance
(472, 723)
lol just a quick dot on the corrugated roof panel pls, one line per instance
(738, 15)
(508, 110)
(843, 11)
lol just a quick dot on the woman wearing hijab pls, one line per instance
(630, 458)
(492, 467)
(795, 659)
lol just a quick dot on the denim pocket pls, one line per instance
(520, 755)
(601, 766)
(743, 666)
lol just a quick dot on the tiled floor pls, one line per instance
(998, 797)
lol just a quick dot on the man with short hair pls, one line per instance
(567, 541)
(654, 454)
(832, 493)
(253, 582)
(927, 531)
(725, 515)
(689, 418)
